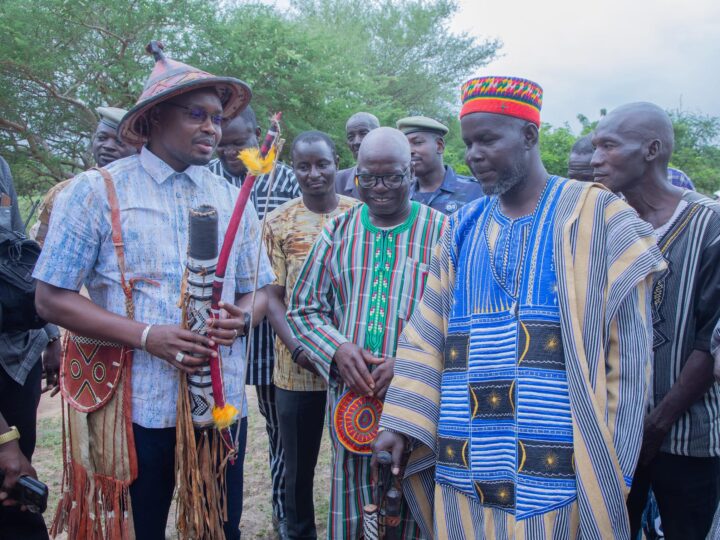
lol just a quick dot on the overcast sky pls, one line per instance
(593, 54)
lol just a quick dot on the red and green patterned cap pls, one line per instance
(511, 96)
(170, 78)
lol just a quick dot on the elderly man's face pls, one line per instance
(355, 131)
(619, 158)
(495, 151)
(107, 146)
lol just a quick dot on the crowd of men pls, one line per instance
(538, 348)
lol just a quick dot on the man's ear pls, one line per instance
(440, 145)
(531, 134)
(653, 149)
(337, 162)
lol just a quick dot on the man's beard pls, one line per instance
(508, 180)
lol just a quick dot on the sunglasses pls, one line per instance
(390, 181)
(198, 114)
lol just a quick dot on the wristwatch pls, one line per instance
(9, 435)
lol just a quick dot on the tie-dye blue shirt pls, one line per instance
(154, 204)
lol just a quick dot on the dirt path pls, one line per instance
(257, 509)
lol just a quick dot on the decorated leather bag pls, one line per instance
(99, 461)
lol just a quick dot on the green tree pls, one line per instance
(696, 149)
(555, 145)
(318, 63)
(59, 60)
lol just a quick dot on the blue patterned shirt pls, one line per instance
(154, 204)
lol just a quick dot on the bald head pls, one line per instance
(579, 167)
(633, 145)
(647, 122)
(384, 144)
(357, 127)
(366, 118)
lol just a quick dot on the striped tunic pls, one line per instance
(505, 429)
(604, 259)
(284, 189)
(686, 307)
(360, 283)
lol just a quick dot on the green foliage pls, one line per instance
(696, 149)
(319, 62)
(555, 145)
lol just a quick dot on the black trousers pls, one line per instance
(276, 459)
(687, 490)
(151, 493)
(18, 405)
(301, 416)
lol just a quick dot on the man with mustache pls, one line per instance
(356, 291)
(680, 457)
(436, 184)
(356, 128)
(520, 381)
(178, 121)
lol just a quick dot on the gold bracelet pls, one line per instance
(11, 435)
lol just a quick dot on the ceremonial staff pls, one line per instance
(257, 163)
(200, 457)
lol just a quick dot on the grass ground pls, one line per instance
(257, 508)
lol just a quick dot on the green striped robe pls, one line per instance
(360, 284)
(605, 260)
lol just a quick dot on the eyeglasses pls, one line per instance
(198, 114)
(390, 181)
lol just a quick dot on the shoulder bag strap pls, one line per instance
(117, 239)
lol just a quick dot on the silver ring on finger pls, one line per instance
(179, 357)
(237, 334)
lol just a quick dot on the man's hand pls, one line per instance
(653, 436)
(352, 362)
(14, 464)
(233, 323)
(304, 362)
(382, 375)
(166, 341)
(51, 367)
(388, 441)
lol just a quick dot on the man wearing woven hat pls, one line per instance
(436, 184)
(520, 381)
(106, 147)
(146, 199)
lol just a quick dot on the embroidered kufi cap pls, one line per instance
(170, 78)
(510, 96)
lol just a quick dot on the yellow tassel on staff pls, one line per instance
(254, 163)
(224, 416)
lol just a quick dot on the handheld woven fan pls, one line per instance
(355, 422)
